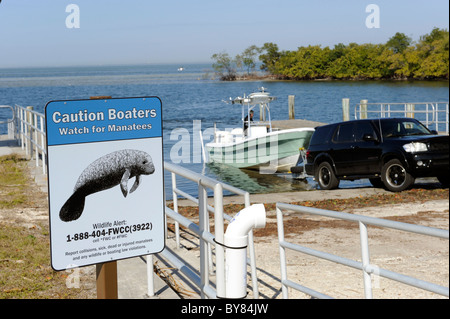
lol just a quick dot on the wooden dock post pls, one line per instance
(363, 109)
(345, 109)
(410, 109)
(291, 102)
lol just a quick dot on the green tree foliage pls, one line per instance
(270, 58)
(398, 58)
(399, 42)
(248, 58)
(224, 66)
(433, 53)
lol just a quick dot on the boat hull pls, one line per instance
(273, 152)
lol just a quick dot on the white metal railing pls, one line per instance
(202, 230)
(365, 265)
(10, 121)
(28, 127)
(435, 115)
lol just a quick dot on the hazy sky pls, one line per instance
(34, 32)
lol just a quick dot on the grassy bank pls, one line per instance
(12, 181)
(25, 271)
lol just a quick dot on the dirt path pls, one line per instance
(414, 255)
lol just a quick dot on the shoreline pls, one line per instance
(274, 78)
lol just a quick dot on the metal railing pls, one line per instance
(365, 265)
(435, 115)
(202, 230)
(10, 121)
(28, 127)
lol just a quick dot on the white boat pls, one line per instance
(259, 146)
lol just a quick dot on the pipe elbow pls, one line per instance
(247, 219)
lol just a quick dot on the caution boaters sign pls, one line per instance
(105, 177)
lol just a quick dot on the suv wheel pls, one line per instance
(395, 177)
(325, 177)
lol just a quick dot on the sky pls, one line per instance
(40, 33)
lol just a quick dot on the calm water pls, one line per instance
(190, 95)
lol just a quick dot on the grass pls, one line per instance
(25, 270)
(13, 181)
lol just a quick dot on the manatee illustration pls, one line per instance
(106, 172)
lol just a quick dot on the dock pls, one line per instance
(288, 124)
(8, 146)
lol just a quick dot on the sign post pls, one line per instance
(105, 179)
(106, 274)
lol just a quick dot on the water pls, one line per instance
(190, 95)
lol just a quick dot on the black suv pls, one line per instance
(390, 152)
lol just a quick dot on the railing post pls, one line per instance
(150, 277)
(219, 235)
(365, 260)
(203, 219)
(446, 119)
(283, 269)
(36, 146)
(44, 163)
(22, 141)
(175, 208)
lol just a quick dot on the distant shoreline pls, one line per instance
(274, 78)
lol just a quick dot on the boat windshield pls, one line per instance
(402, 127)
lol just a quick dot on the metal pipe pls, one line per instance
(236, 239)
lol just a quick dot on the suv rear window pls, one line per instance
(321, 135)
(344, 133)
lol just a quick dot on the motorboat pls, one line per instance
(257, 145)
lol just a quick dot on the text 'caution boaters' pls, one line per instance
(105, 177)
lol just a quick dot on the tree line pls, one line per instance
(399, 58)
